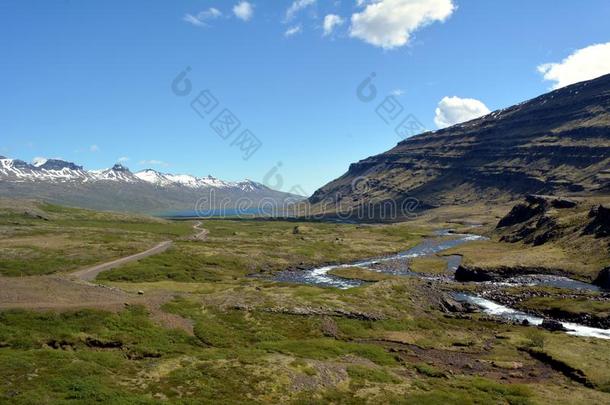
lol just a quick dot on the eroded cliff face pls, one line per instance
(558, 143)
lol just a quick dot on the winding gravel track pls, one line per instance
(202, 234)
(90, 273)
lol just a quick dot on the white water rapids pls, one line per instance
(429, 246)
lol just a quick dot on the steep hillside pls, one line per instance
(558, 143)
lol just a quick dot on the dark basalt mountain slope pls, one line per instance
(557, 143)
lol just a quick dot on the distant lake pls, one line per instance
(220, 213)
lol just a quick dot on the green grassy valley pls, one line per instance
(205, 321)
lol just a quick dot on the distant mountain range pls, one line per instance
(557, 143)
(117, 188)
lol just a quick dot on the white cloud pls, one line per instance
(583, 64)
(454, 110)
(200, 18)
(297, 6)
(397, 92)
(122, 159)
(330, 22)
(243, 10)
(94, 148)
(153, 162)
(293, 30)
(390, 23)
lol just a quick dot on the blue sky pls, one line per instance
(90, 82)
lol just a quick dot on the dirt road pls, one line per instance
(78, 290)
(202, 234)
(91, 273)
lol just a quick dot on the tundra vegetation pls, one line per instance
(238, 336)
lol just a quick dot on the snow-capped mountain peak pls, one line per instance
(250, 185)
(39, 161)
(57, 170)
(51, 170)
(58, 164)
(153, 177)
(118, 172)
(117, 188)
(119, 168)
(187, 180)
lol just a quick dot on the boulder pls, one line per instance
(473, 274)
(552, 325)
(603, 278)
(448, 304)
(520, 213)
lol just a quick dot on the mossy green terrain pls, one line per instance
(251, 345)
(39, 238)
(428, 265)
(254, 340)
(235, 248)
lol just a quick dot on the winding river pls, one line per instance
(442, 240)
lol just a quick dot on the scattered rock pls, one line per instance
(564, 368)
(448, 304)
(61, 344)
(35, 215)
(309, 311)
(329, 327)
(600, 222)
(103, 344)
(507, 365)
(532, 222)
(140, 292)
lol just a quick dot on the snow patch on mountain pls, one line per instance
(39, 161)
(153, 177)
(186, 180)
(60, 171)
